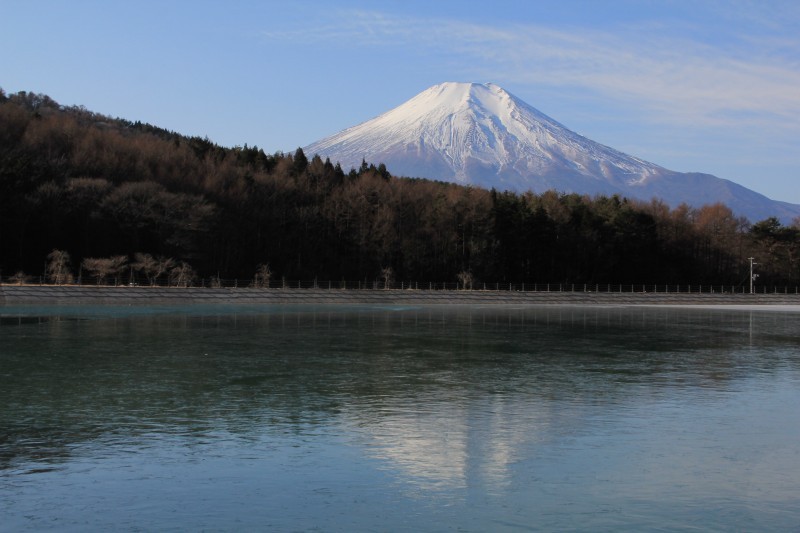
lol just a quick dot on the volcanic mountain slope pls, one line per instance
(482, 135)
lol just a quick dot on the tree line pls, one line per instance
(105, 189)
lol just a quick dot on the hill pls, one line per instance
(118, 198)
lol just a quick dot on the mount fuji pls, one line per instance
(482, 135)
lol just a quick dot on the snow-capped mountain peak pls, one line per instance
(480, 134)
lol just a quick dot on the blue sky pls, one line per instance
(707, 86)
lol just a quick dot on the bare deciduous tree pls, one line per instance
(181, 275)
(58, 267)
(98, 267)
(465, 279)
(19, 278)
(262, 276)
(152, 267)
(103, 267)
(387, 274)
(119, 264)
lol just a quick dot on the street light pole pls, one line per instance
(752, 276)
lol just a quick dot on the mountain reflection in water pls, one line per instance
(515, 413)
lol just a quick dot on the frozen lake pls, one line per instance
(399, 418)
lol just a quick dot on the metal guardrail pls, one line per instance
(426, 286)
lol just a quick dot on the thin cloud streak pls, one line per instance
(671, 80)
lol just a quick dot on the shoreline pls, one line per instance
(11, 295)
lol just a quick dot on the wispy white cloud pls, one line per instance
(667, 74)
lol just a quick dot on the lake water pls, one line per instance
(399, 419)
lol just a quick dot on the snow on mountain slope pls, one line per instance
(482, 135)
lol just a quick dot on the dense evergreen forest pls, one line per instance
(78, 187)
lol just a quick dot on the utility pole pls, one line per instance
(752, 276)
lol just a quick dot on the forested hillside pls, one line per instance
(96, 187)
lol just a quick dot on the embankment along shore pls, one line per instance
(11, 295)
